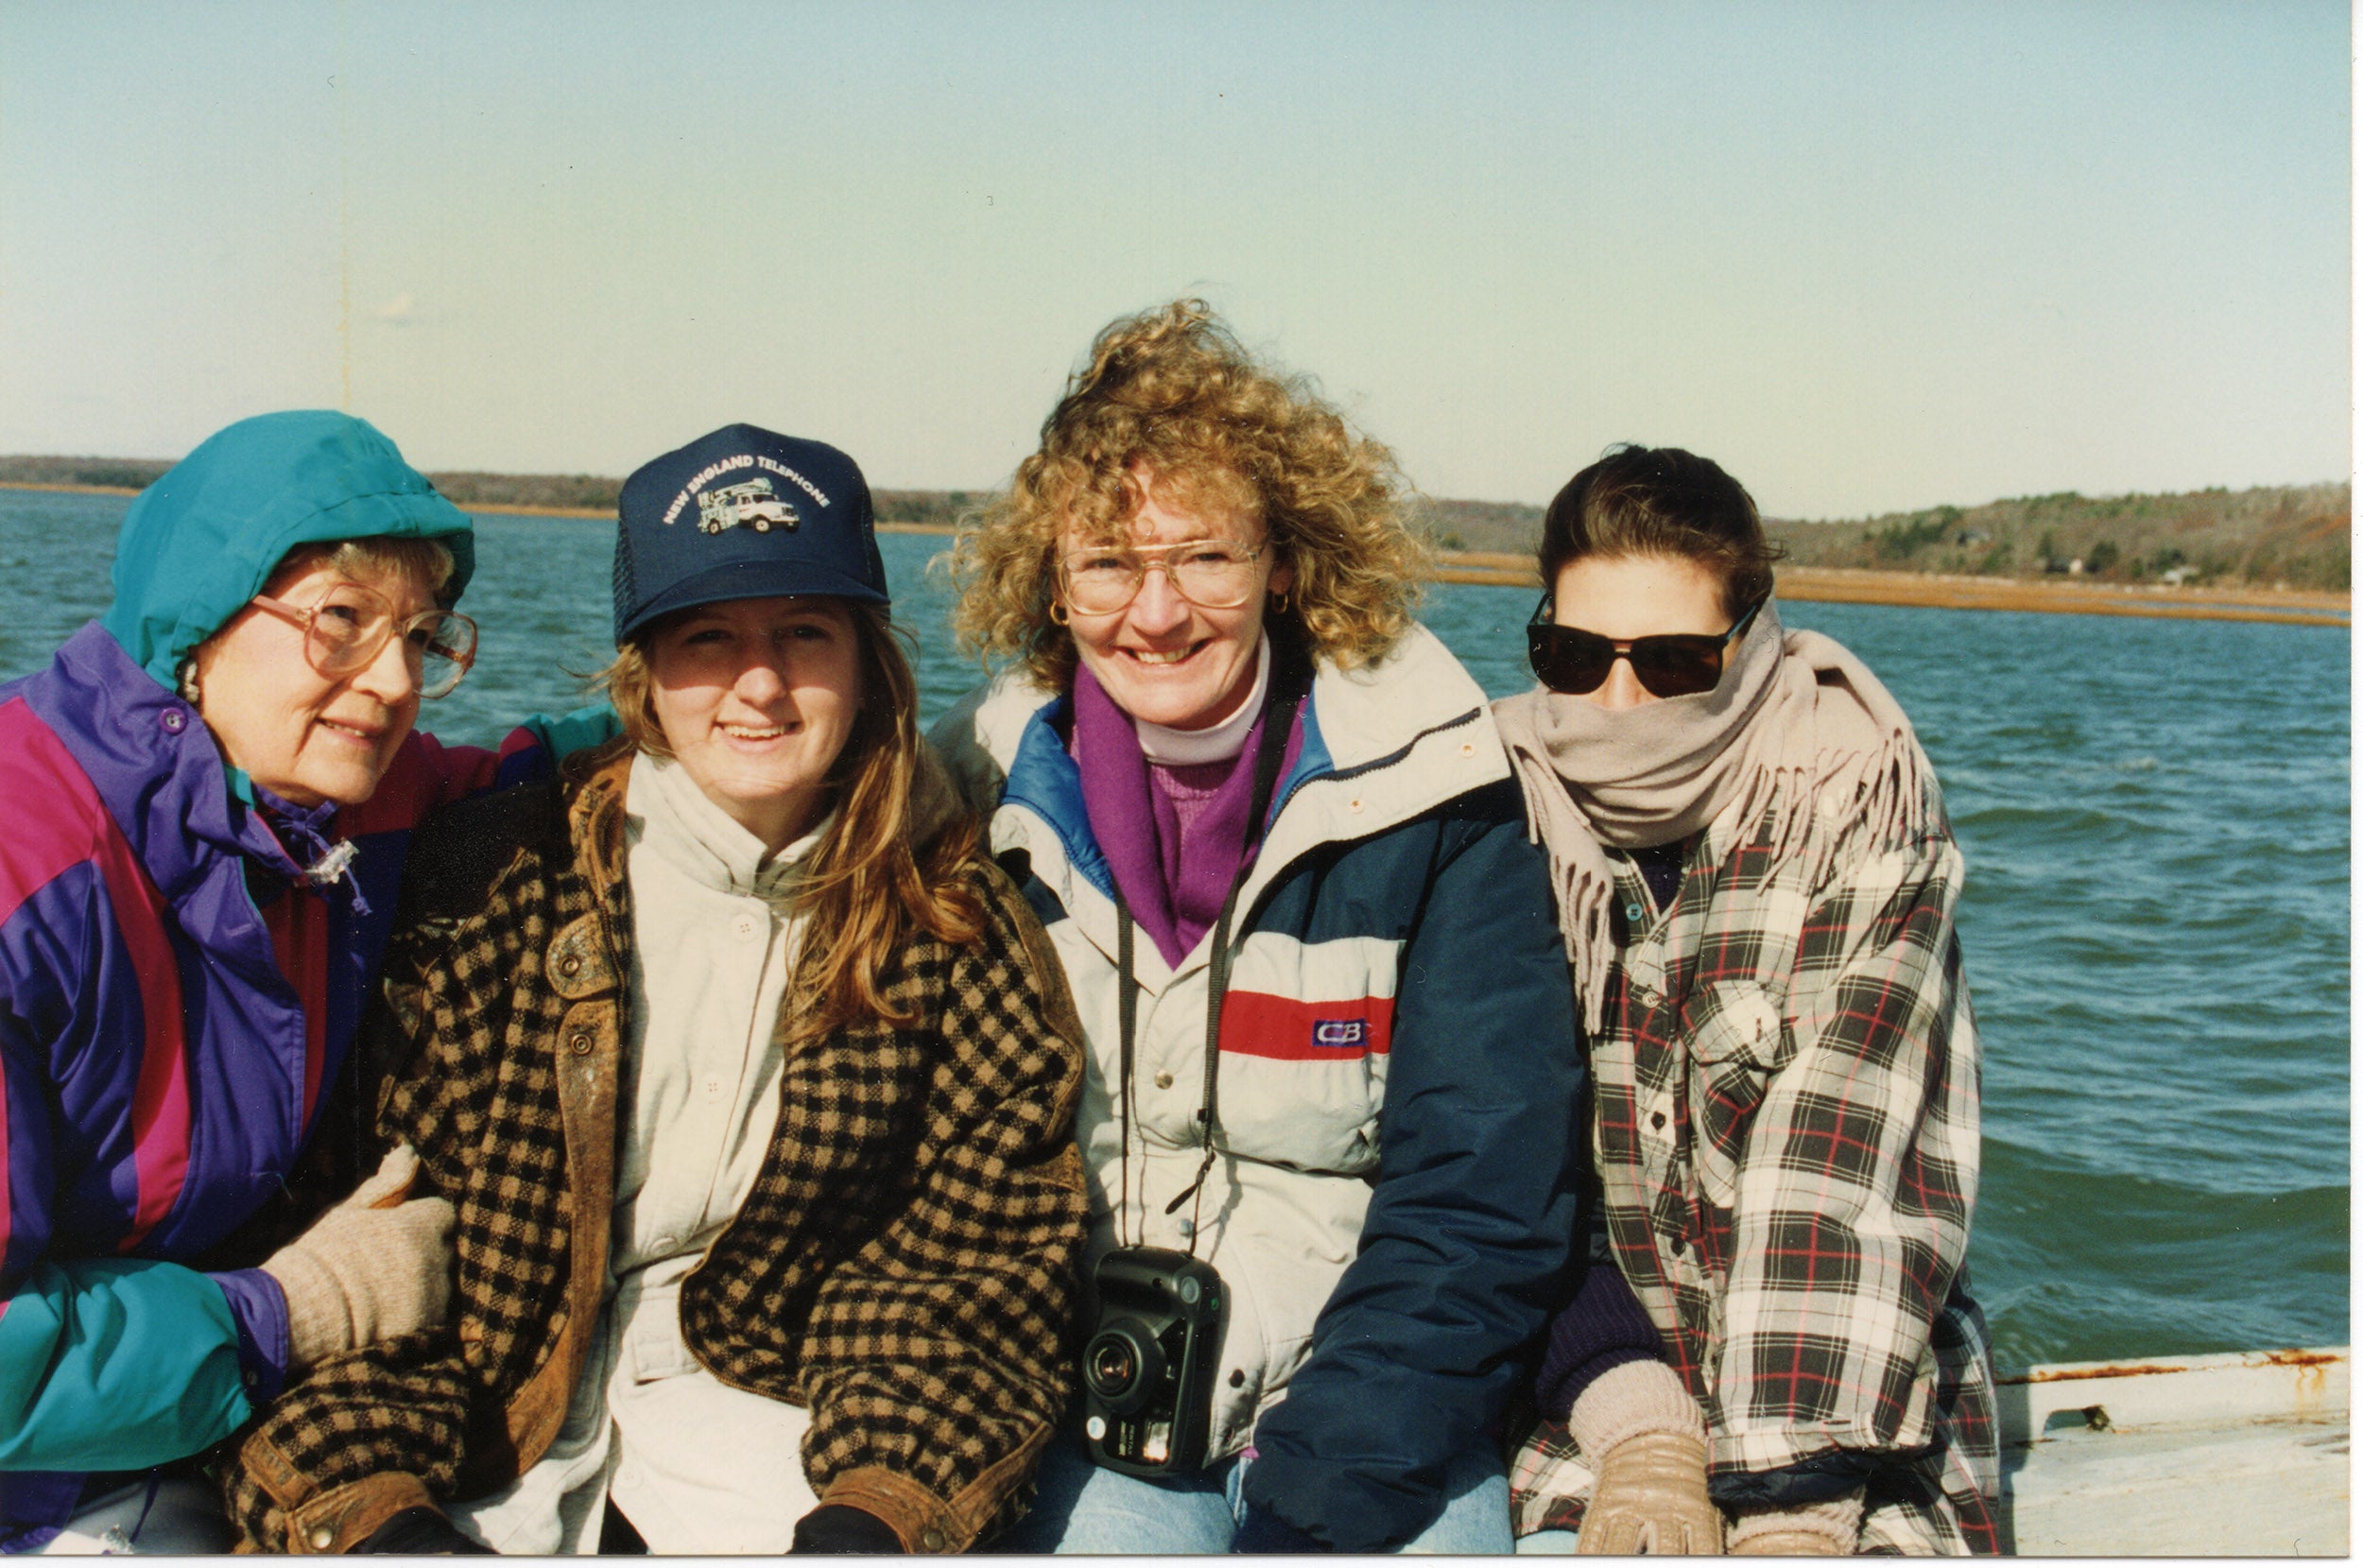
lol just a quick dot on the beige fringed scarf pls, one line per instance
(1796, 719)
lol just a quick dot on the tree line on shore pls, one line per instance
(2294, 534)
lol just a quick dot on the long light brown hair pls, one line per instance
(868, 888)
(1172, 390)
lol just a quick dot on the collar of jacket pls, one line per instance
(595, 781)
(152, 760)
(1383, 745)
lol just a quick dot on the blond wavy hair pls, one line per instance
(1173, 390)
(868, 888)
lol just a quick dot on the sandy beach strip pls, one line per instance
(1932, 591)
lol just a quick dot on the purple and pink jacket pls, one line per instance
(176, 1001)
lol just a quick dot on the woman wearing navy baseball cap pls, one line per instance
(751, 1080)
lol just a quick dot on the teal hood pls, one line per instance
(201, 541)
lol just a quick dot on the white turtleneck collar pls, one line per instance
(1170, 748)
(665, 808)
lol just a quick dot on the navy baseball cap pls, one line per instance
(743, 513)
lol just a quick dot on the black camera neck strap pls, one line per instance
(1278, 722)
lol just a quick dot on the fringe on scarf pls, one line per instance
(1886, 798)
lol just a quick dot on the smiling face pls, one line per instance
(305, 736)
(1621, 597)
(756, 697)
(1162, 658)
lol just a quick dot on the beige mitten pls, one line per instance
(1808, 1529)
(373, 1266)
(1650, 1494)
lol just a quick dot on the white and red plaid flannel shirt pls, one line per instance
(1786, 1131)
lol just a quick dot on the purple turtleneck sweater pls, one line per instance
(1175, 837)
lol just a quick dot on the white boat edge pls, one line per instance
(2237, 1455)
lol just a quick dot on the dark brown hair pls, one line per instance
(1661, 501)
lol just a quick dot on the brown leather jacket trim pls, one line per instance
(924, 1521)
(342, 1517)
(910, 1510)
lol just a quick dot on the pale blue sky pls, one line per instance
(1869, 256)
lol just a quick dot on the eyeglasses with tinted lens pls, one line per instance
(1570, 660)
(1210, 573)
(345, 631)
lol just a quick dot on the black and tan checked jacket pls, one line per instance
(903, 1267)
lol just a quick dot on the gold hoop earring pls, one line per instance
(1058, 612)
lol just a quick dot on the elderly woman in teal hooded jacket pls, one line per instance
(208, 793)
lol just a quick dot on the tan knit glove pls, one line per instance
(373, 1266)
(1809, 1529)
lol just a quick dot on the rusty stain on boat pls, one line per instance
(2070, 1374)
(2302, 1358)
(2304, 1361)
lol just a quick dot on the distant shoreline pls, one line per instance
(1951, 590)
(1804, 584)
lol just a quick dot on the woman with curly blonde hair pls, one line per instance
(1331, 1050)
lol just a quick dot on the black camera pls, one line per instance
(1149, 1362)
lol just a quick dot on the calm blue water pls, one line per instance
(2155, 815)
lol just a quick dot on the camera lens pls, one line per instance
(1112, 1366)
(1122, 1365)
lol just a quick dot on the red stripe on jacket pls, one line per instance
(298, 923)
(1258, 1024)
(159, 1104)
(56, 828)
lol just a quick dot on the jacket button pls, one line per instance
(1658, 1119)
(322, 1538)
(579, 1043)
(1164, 1081)
(931, 1538)
(570, 965)
(1238, 1377)
(175, 720)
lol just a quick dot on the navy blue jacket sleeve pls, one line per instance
(1465, 1245)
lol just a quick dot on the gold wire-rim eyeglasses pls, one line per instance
(1142, 558)
(336, 650)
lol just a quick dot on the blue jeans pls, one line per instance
(1081, 1507)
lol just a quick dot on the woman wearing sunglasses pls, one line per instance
(209, 794)
(1756, 884)
(1275, 841)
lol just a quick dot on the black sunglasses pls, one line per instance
(1569, 660)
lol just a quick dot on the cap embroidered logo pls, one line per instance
(752, 505)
